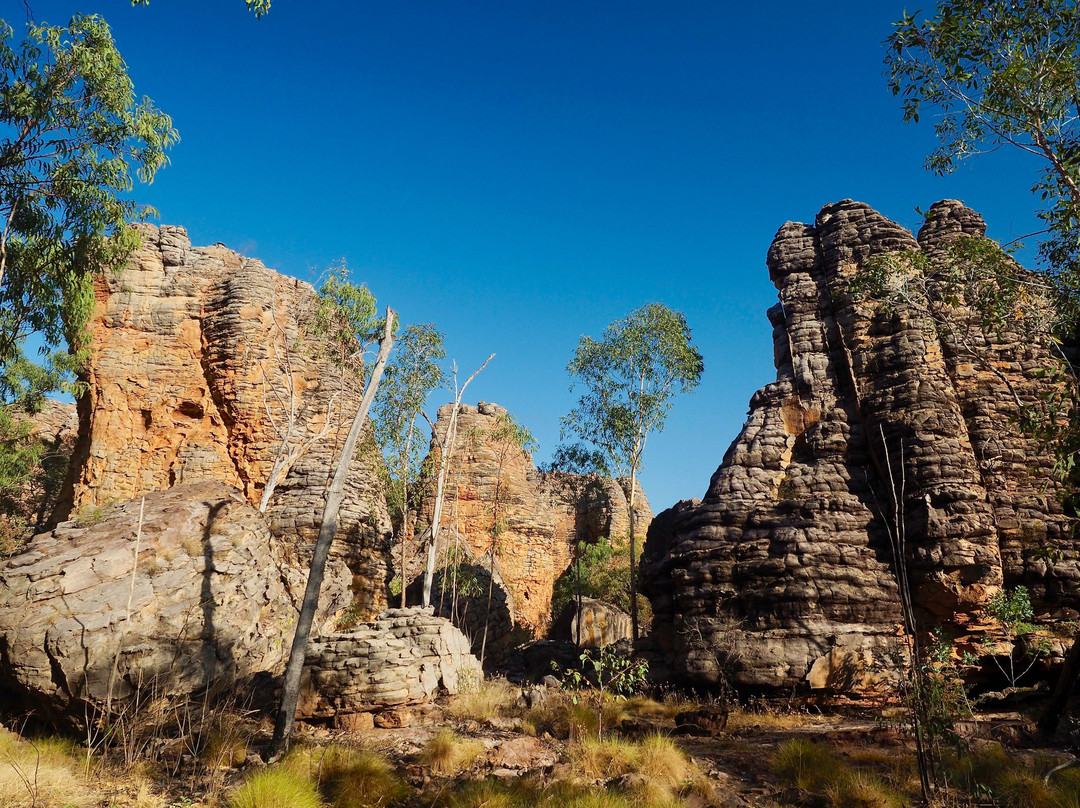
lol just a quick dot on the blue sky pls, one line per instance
(521, 174)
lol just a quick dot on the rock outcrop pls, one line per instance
(196, 353)
(407, 656)
(539, 516)
(202, 607)
(786, 568)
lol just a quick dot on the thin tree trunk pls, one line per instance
(286, 716)
(444, 463)
(633, 554)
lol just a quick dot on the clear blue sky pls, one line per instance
(524, 173)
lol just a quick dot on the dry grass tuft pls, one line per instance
(44, 773)
(359, 778)
(606, 759)
(447, 753)
(662, 761)
(492, 698)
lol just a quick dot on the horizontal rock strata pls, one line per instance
(407, 656)
(196, 353)
(787, 566)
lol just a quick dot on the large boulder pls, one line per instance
(84, 621)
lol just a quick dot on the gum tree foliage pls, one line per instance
(410, 378)
(629, 378)
(259, 7)
(74, 139)
(1003, 73)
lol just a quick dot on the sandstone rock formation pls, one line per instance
(594, 625)
(407, 656)
(187, 380)
(786, 568)
(540, 517)
(202, 607)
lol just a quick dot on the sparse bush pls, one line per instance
(276, 787)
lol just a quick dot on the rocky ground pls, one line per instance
(499, 746)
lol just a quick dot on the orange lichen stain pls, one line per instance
(797, 419)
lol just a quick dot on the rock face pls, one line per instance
(407, 656)
(594, 625)
(204, 606)
(786, 568)
(539, 516)
(191, 347)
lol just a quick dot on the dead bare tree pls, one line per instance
(446, 448)
(335, 495)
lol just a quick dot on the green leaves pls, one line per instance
(74, 139)
(630, 377)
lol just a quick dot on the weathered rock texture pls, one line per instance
(786, 566)
(188, 351)
(594, 625)
(540, 515)
(203, 607)
(407, 656)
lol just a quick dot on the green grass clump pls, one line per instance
(44, 772)
(359, 778)
(807, 765)
(277, 787)
(526, 793)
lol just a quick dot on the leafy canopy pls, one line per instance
(1002, 73)
(73, 138)
(630, 377)
(259, 7)
(410, 377)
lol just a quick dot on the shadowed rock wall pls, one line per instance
(787, 561)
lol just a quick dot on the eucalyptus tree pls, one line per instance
(998, 73)
(410, 378)
(258, 7)
(629, 380)
(74, 138)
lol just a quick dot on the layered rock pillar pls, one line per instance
(787, 563)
